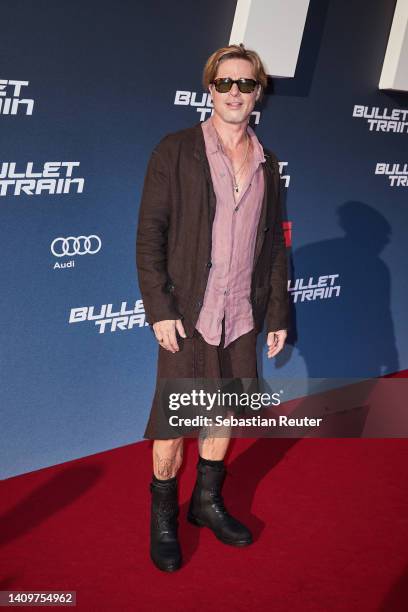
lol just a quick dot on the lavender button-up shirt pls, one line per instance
(233, 242)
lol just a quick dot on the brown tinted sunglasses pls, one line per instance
(244, 85)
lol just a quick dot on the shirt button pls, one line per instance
(209, 264)
(236, 208)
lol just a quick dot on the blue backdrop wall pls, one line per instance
(86, 91)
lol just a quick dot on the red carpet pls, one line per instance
(330, 519)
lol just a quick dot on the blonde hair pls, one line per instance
(239, 52)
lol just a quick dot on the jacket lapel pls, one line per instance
(200, 154)
(268, 184)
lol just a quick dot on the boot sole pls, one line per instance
(167, 568)
(198, 523)
(171, 568)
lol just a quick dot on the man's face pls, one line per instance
(234, 106)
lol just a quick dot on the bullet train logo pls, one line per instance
(202, 103)
(307, 289)
(397, 173)
(382, 120)
(283, 175)
(105, 318)
(70, 246)
(52, 178)
(12, 98)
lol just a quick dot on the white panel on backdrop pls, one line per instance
(273, 28)
(394, 73)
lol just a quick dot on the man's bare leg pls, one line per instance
(167, 457)
(213, 448)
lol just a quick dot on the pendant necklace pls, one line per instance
(235, 182)
(235, 174)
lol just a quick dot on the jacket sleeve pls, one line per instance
(278, 310)
(151, 239)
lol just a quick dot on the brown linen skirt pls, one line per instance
(202, 366)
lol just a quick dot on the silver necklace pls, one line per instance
(235, 174)
(235, 182)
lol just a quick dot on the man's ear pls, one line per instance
(210, 89)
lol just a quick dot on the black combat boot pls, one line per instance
(164, 545)
(207, 506)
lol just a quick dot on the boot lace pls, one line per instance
(166, 516)
(218, 500)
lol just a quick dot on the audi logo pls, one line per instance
(81, 245)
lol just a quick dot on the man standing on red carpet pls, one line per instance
(212, 268)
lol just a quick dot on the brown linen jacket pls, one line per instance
(174, 236)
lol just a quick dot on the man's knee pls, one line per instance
(172, 444)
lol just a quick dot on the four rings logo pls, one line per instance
(71, 245)
(76, 246)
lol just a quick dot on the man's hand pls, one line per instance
(275, 342)
(165, 332)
